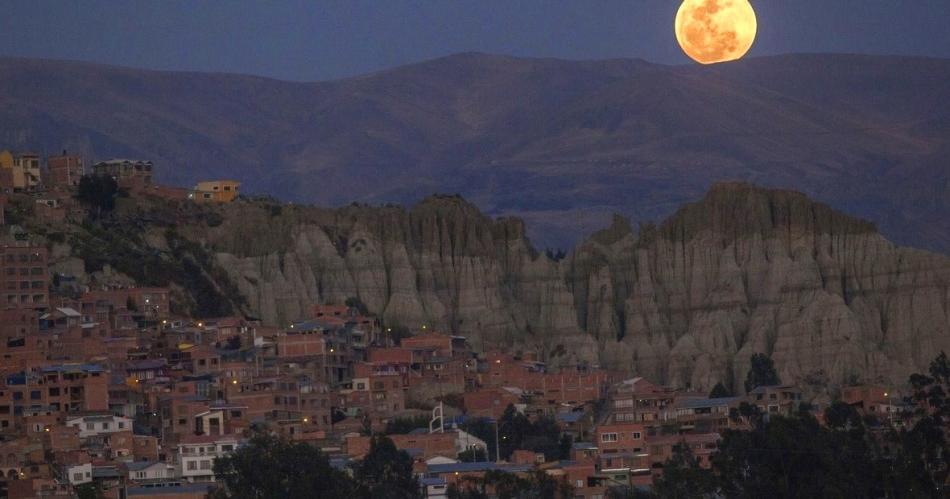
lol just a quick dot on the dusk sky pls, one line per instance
(305, 40)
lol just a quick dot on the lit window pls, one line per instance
(608, 437)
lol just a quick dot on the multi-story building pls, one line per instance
(25, 277)
(55, 389)
(98, 425)
(622, 445)
(23, 170)
(217, 191)
(700, 414)
(637, 400)
(130, 174)
(63, 171)
(195, 455)
(776, 399)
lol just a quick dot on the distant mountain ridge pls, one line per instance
(560, 143)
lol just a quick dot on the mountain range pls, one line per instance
(561, 144)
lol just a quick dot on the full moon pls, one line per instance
(712, 31)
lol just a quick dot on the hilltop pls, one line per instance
(561, 144)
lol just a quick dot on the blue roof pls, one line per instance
(705, 402)
(195, 488)
(431, 481)
(106, 472)
(569, 417)
(89, 368)
(475, 467)
(141, 465)
(340, 463)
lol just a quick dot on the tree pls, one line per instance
(484, 429)
(927, 440)
(516, 431)
(89, 491)
(355, 302)
(795, 457)
(272, 467)
(98, 192)
(719, 391)
(407, 424)
(683, 477)
(504, 485)
(842, 416)
(761, 373)
(474, 455)
(385, 472)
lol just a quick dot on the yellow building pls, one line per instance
(216, 191)
(23, 169)
(6, 159)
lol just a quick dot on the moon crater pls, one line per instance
(712, 31)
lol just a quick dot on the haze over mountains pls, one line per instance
(559, 143)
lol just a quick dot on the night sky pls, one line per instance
(307, 40)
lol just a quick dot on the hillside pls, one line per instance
(561, 144)
(743, 270)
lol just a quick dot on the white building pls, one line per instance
(195, 455)
(79, 474)
(90, 426)
(147, 472)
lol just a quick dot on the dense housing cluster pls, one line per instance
(109, 387)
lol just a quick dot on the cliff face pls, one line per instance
(744, 270)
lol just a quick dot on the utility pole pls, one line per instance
(497, 448)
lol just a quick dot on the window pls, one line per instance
(192, 465)
(35, 395)
(90, 426)
(227, 448)
(636, 435)
(205, 464)
(608, 437)
(106, 426)
(121, 425)
(623, 403)
(77, 477)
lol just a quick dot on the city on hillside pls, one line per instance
(108, 390)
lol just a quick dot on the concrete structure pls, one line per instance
(63, 171)
(22, 171)
(93, 426)
(79, 474)
(24, 277)
(195, 455)
(217, 191)
(130, 174)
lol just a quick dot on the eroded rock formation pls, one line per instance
(743, 270)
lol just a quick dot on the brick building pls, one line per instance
(63, 171)
(131, 174)
(23, 270)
